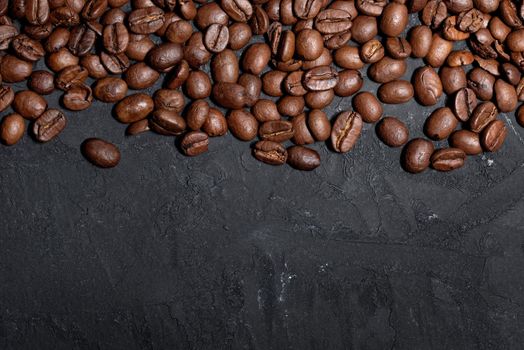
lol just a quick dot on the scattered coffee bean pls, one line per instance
(194, 143)
(346, 131)
(416, 155)
(447, 159)
(303, 158)
(392, 132)
(12, 129)
(101, 153)
(49, 125)
(270, 152)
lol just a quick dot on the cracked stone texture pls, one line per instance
(224, 252)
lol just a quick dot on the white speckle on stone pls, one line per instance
(259, 298)
(490, 162)
(322, 268)
(433, 216)
(285, 279)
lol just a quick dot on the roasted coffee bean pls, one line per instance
(179, 32)
(64, 16)
(113, 16)
(303, 158)
(178, 75)
(29, 104)
(398, 48)
(320, 78)
(291, 106)
(110, 89)
(229, 95)
(438, 51)
(420, 38)
(165, 56)
(293, 83)
(416, 155)
(238, 10)
(370, 7)
(116, 64)
(239, 35)
(464, 103)
(140, 76)
(81, 40)
(265, 110)
(440, 124)
(460, 58)
(116, 38)
(484, 114)
(134, 108)
(451, 32)
(12, 129)
(307, 8)
(505, 96)
(49, 125)
(61, 59)
(210, 13)
(510, 73)
(332, 21)
(256, 57)
(447, 159)
(346, 131)
(7, 34)
(434, 13)
(286, 46)
(364, 28)
(272, 83)
(215, 124)
(93, 9)
(253, 86)
(139, 46)
(392, 131)
(453, 79)
(309, 44)
(259, 22)
(481, 44)
(196, 114)
(325, 59)
(349, 82)
(78, 97)
(318, 124)
(7, 95)
(41, 82)
(288, 66)
(168, 99)
(37, 11)
(168, 123)
(520, 89)
(387, 69)
(395, 92)
(319, 99)
(13, 70)
(242, 124)
(348, 57)
(348, 6)
(520, 116)
(146, 20)
(367, 105)
(427, 86)
(187, 8)
(270, 152)
(277, 130)
(482, 83)
(198, 85)
(71, 75)
(194, 143)
(138, 127)
(27, 49)
(493, 136)
(508, 12)
(101, 153)
(394, 19)
(372, 51)
(498, 29)
(336, 41)
(216, 38)
(466, 140)
(224, 67)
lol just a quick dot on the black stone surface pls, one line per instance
(224, 252)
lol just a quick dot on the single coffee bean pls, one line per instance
(320, 78)
(140, 76)
(392, 131)
(325, 59)
(37, 11)
(427, 86)
(498, 29)
(49, 125)
(139, 46)
(505, 96)
(277, 130)
(510, 73)
(303, 158)
(196, 114)
(434, 13)
(398, 48)
(460, 58)
(438, 51)
(93, 9)
(94, 66)
(134, 108)
(165, 56)
(440, 124)
(416, 155)
(198, 85)
(116, 64)
(259, 22)
(291, 106)
(215, 124)
(29, 104)
(253, 86)
(265, 110)
(293, 83)
(168, 123)
(256, 57)
(64, 16)
(288, 66)
(242, 124)
(447, 159)
(230, 95)
(453, 79)
(78, 98)
(110, 89)
(515, 40)
(387, 69)
(272, 83)
(13, 70)
(481, 82)
(146, 20)
(286, 46)
(216, 38)
(319, 99)
(12, 129)
(81, 40)
(178, 75)
(346, 131)
(508, 12)
(101, 153)
(451, 32)
(318, 124)
(270, 152)
(364, 29)
(69, 76)
(41, 82)
(394, 19)
(348, 57)
(168, 99)
(336, 41)
(138, 127)
(210, 13)
(179, 32)
(420, 38)
(372, 51)
(309, 44)
(368, 106)
(348, 6)
(395, 92)
(194, 143)
(332, 21)
(116, 38)
(307, 9)
(370, 8)
(483, 114)
(7, 34)
(114, 15)
(493, 136)
(7, 95)
(349, 82)
(27, 49)
(239, 35)
(238, 10)
(466, 140)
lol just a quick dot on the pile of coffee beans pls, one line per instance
(267, 69)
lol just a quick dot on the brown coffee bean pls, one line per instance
(37, 11)
(140, 76)
(12, 129)
(493, 136)
(372, 51)
(346, 131)
(179, 32)
(293, 83)
(7, 34)
(510, 73)
(309, 44)
(78, 97)
(178, 75)
(265, 110)
(464, 103)
(303, 158)
(27, 49)
(116, 64)
(198, 85)
(168, 123)
(416, 155)
(318, 124)
(134, 108)
(138, 127)
(165, 56)
(349, 82)
(520, 116)
(270, 152)
(460, 58)
(238, 10)
(101, 153)
(194, 143)
(259, 22)
(364, 29)
(286, 46)
(216, 38)
(253, 86)
(370, 8)
(447, 159)
(146, 20)
(453, 79)
(505, 96)
(49, 125)
(93, 9)
(215, 124)
(196, 114)
(94, 66)
(239, 35)
(348, 57)
(168, 99)
(210, 13)
(481, 82)
(320, 78)
(110, 89)
(291, 106)
(7, 96)
(229, 95)
(29, 104)
(69, 76)
(450, 30)
(13, 70)
(398, 48)
(242, 124)
(139, 46)
(434, 13)
(466, 140)
(307, 9)
(427, 86)
(498, 29)
(420, 38)
(319, 99)
(392, 131)
(387, 69)
(81, 40)
(256, 57)
(394, 19)
(395, 92)
(272, 83)
(116, 38)
(438, 51)
(368, 106)
(484, 114)
(333, 21)
(277, 131)
(440, 124)
(325, 59)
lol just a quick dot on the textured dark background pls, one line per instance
(224, 252)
